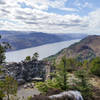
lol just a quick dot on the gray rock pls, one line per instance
(26, 71)
(20, 81)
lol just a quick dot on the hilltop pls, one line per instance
(87, 48)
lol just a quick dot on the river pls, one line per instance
(43, 51)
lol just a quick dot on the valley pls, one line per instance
(43, 51)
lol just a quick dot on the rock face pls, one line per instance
(71, 95)
(26, 71)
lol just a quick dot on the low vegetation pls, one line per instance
(61, 79)
(8, 87)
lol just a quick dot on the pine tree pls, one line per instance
(62, 75)
(35, 56)
(83, 85)
(10, 86)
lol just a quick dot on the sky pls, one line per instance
(51, 16)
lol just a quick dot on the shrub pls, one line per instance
(95, 66)
(28, 58)
(42, 86)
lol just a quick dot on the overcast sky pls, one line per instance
(51, 16)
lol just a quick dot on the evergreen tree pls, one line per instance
(59, 80)
(95, 66)
(83, 85)
(2, 54)
(2, 92)
(72, 64)
(28, 58)
(3, 47)
(2, 58)
(10, 86)
(35, 56)
(62, 74)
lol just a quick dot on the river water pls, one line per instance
(43, 51)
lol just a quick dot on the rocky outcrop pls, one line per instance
(26, 71)
(67, 95)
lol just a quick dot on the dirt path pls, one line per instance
(25, 93)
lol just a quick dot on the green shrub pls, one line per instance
(42, 86)
(28, 58)
(95, 66)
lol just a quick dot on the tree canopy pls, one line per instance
(95, 66)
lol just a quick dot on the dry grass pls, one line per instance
(95, 81)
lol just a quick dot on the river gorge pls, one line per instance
(43, 51)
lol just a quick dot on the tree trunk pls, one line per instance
(64, 74)
(1, 98)
(8, 97)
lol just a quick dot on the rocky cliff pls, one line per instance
(27, 71)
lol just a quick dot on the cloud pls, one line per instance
(60, 4)
(94, 21)
(33, 16)
(69, 9)
(45, 4)
(87, 5)
(2, 2)
(81, 4)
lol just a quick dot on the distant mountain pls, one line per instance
(87, 48)
(22, 39)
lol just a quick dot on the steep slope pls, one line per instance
(22, 39)
(87, 48)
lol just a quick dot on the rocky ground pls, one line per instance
(25, 93)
